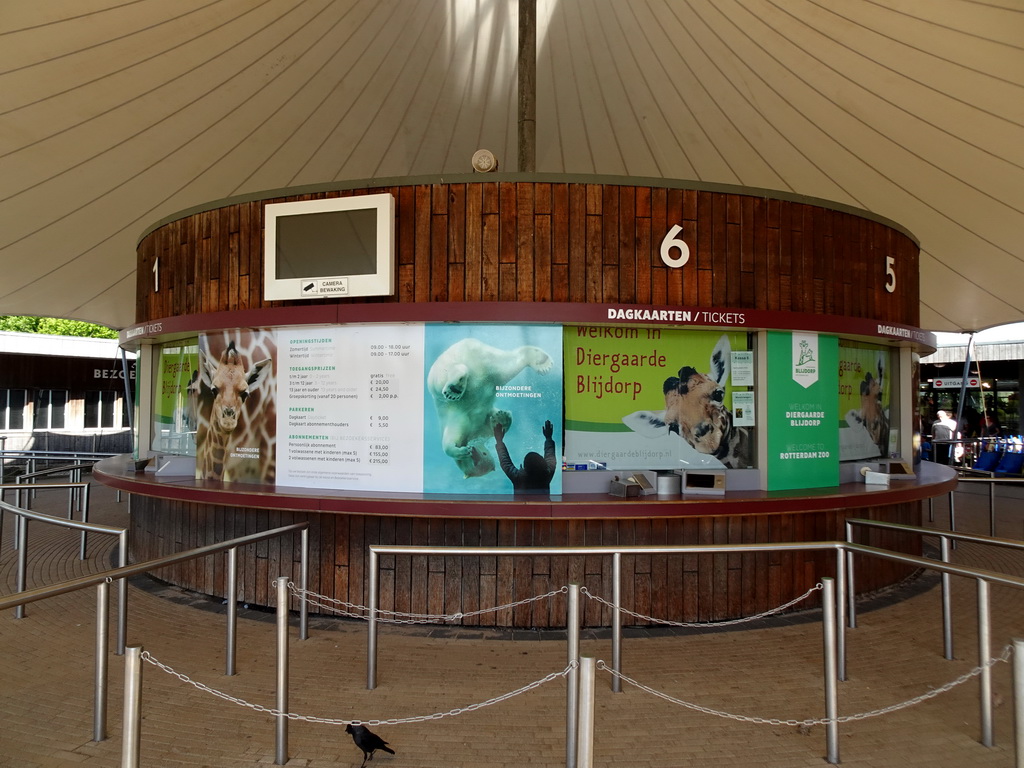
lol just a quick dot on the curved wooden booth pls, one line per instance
(620, 259)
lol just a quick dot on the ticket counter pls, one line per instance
(580, 338)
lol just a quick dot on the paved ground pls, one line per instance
(772, 671)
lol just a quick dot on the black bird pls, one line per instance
(367, 740)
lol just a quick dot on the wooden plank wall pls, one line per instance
(673, 587)
(565, 242)
(536, 242)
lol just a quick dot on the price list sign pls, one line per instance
(350, 408)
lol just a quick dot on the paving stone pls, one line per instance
(772, 670)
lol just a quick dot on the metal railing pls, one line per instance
(992, 482)
(31, 457)
(78, 496)
(103, 579)
(947, 540)
(23, 516)
(843, 549)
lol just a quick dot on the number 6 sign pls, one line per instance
(672, 240)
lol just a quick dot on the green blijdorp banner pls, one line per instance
(803, 411)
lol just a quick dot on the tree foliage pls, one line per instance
(56, 326)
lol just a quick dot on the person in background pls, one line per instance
(943, 430)
(537, 470)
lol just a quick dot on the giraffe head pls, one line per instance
(230, 383)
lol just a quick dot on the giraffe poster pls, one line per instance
(236, 434)
(350, 408)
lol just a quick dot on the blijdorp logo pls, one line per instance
(805, 359)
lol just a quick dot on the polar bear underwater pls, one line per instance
(462, 381)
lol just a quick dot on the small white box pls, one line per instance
(703, 482)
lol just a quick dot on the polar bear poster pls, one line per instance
(482, 377)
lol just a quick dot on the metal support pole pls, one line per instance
(841, 613)
(281, 740)
(572, 680)
(85, 519)
(851, 590)
(304, 584)
(21, 540)
(585, 736)
(947, 608)
(371, 625)
(122, 594)
(1018, 701)
(984, 655)
(952, 516)
(828, 620)
(232, 613)
(132, 707)
(931, 510)
(617, 622)
(99, 707)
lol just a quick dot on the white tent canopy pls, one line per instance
(116, 113)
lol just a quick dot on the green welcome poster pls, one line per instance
(803, 411)
(174, 423)
(652, 398)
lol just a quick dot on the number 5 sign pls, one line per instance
(673, 242)
(890, 274)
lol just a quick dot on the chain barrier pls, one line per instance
(357, 611)
(1005, 656)
(314, 599)
(703, 624)
(147, 656)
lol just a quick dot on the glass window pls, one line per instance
(102, 410)
(868, 417)
(174, 420)
(12, 409)
(50, 406)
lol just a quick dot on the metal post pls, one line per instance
(841, 613)
(132, 707)
(281, 741)
(371, 625)
(851, 590)
(1018, 701)
(617, 622)
(232, 617)
(828, 620)
(984, 654)
(99, 707)
(931, 510)
(585, 736)
(572, 680)
(22, 541)
(122, 594)
(85, 519)
(947, 608)
(304, 584)
(952, 516)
